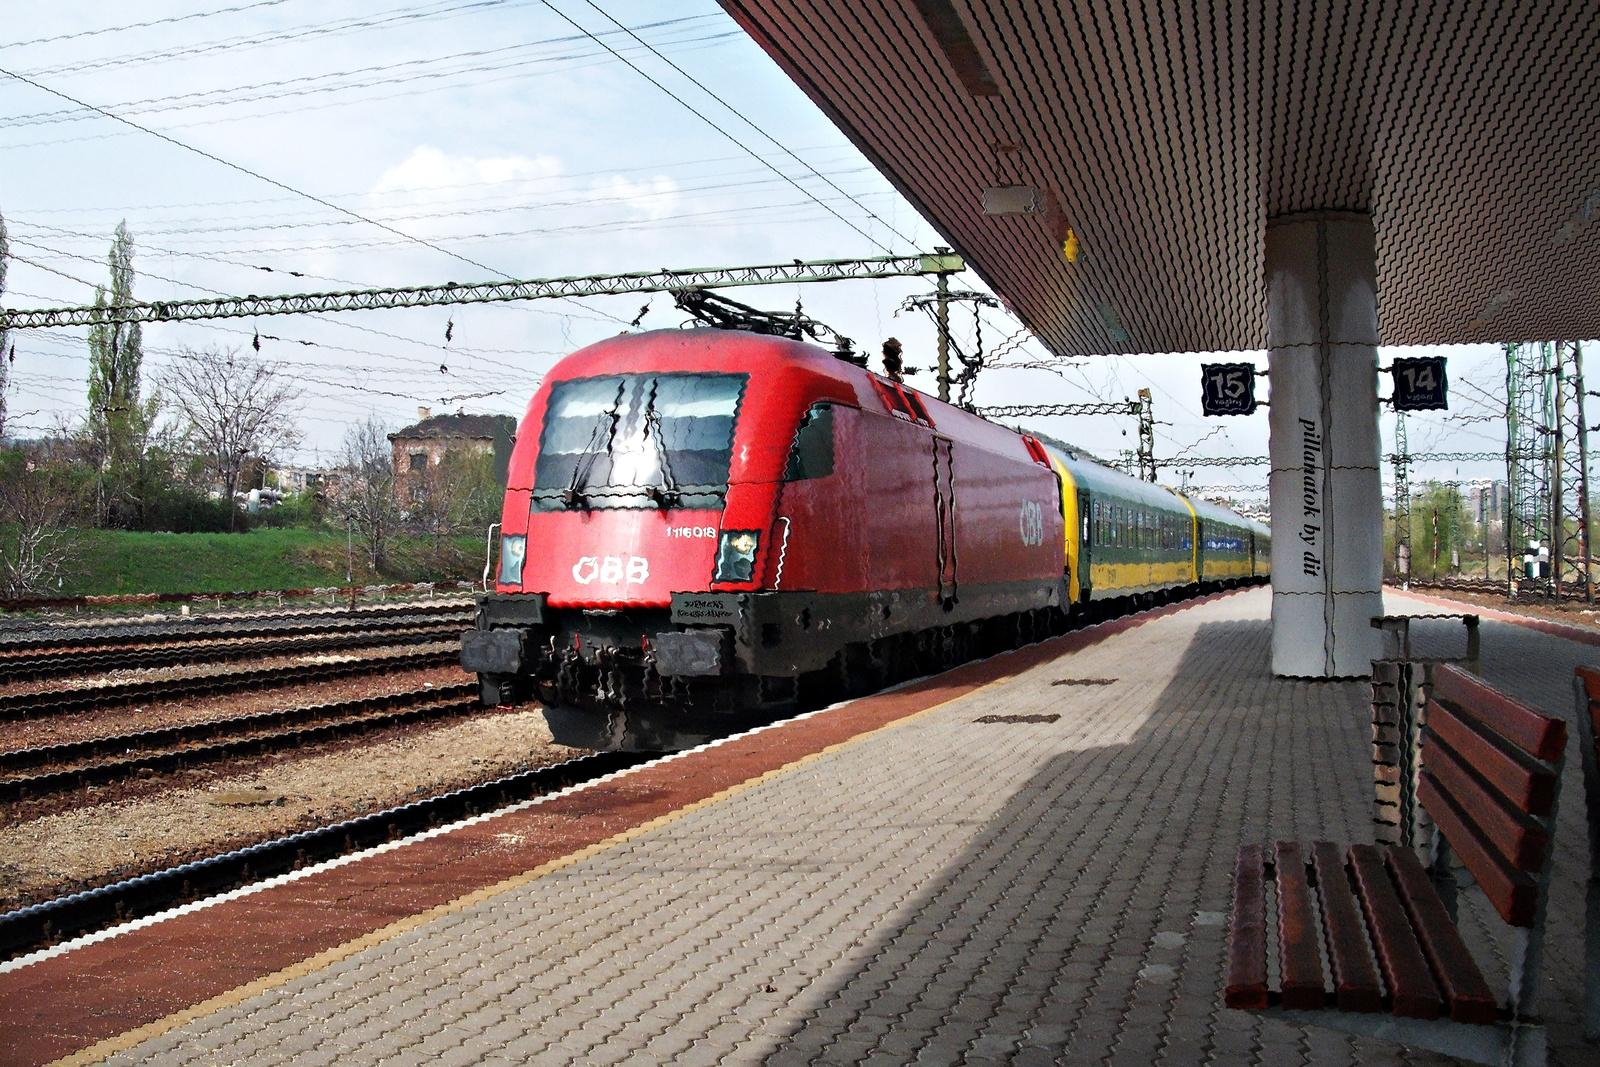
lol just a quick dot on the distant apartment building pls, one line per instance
(1486, 501)
(300, 479)
(431, 438)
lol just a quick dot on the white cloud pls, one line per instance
(427, 168)
(652, 197)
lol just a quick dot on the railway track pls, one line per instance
(57, 702)
(102, 760)
(40, 925)
(47, 923)
(210, 649)
(35, 642)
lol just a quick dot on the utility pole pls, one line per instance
(1433, 570)
(1483, 523)
(1526, 456)
(1402, 503)
(1147, 437)
(1558, 514)
(942, 317)
(1583, 474)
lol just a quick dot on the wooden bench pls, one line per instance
(1489, 779)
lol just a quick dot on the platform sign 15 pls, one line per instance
(1228, 388)
(1419, 384)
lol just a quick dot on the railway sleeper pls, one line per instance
(149, 764)
(22, 705)
(216, 729)
(216, 651)
(48, 923)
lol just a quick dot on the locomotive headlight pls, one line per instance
(736, 555)
(513, 549)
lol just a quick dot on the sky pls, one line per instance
(499, 140)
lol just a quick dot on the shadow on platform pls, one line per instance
(1087, 922)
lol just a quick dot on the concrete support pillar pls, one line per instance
(1327, 501)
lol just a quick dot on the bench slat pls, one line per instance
(1405, 970)
(1529, 787)
(1591, 690)
(1517, 838)
(1454, 968)
(1537, 735)
(1512, 892)
(1299, 962)
(1355, 980)
(1247, 942)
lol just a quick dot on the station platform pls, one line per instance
(907, 878)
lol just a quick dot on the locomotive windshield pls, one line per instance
(637, 440)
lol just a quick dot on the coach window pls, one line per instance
(812, 453)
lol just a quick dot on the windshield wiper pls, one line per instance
(573, 496)
(665, 495)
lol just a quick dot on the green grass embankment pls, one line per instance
(108, 562)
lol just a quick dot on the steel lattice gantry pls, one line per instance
(1165, 135)
(1312, 177)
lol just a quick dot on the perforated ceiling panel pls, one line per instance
(1168, 133)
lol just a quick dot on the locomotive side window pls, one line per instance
(637, 440)
(812, 454)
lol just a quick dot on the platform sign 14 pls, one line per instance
(1228, 388)
(1419, 384)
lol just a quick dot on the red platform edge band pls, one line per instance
(66, 1003)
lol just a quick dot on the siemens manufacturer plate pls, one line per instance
(707, 608)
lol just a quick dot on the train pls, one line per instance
(707, 529)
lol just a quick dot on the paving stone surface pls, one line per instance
(942, 892)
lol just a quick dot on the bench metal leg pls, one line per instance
(1591, 965)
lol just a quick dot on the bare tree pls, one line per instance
(234, 406)
(5, 367)
(458, 495)
(37, 514)
(367, 488)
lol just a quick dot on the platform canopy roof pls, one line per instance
(1164, 135)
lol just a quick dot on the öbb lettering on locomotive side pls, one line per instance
(709, 529)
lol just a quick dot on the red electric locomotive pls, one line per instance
(705, 528)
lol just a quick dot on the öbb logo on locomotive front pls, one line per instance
(611, 571)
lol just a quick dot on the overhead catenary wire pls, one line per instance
(742, 117)
(251, 173)
(100, 31)
(402, 72)
(233, 45)
(704, 118)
